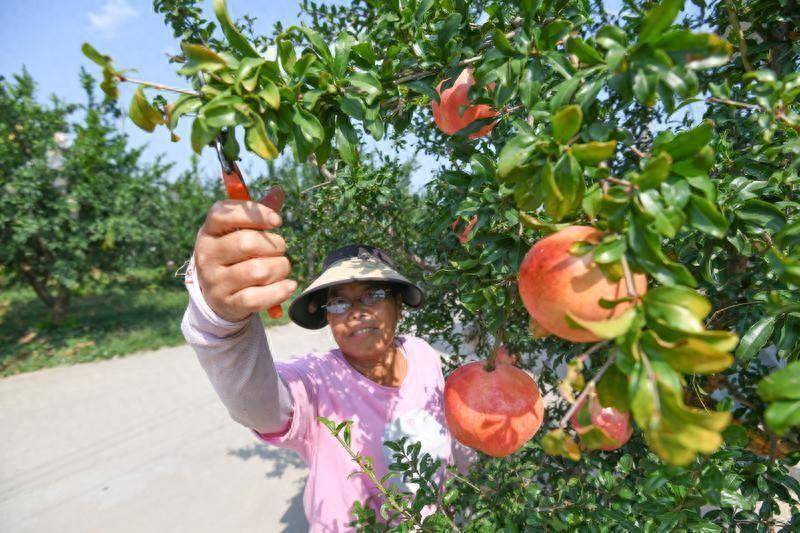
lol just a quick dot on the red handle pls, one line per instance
(237, 190)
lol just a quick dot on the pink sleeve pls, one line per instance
(298, 432)
(237, 359)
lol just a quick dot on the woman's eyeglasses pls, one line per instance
(370, 297)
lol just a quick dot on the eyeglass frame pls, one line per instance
(389, 291)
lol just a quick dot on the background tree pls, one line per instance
(592, 130)
(73, 192)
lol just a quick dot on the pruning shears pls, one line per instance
(237, 190)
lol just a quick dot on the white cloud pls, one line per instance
(111, 16)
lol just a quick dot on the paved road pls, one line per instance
(142, 444)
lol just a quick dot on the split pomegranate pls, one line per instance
(495, 412)
(601, 428)
(448, 115)
(552, 281)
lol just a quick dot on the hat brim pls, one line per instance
(349, 271)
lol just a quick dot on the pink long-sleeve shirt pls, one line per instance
(280, 403)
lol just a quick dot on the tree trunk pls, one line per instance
(59, 304)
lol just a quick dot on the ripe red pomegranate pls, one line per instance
(448, 115)
(614, 426)
(552, 281)
(495, 411)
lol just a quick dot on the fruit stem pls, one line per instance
(629, 278)
(498, 340)
(586, 390)
(159, 86)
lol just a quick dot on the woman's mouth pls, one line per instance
(363, 332)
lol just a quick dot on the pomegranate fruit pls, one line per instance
(447, 112)
(495, 411)
(552, 281)
(601, 428)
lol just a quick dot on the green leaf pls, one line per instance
(587, 54)
(317, 43)
(556, 442)
(783, 384)
(142, 113)
(761, 215)
(704, 216)
(782, 415)
(502, 43)
(258, 141)
(90, 52)
(554, 32)
(642, 393)
(687, 356)
(658, 19)
(184, 104)
(344, 43)
(564, 92)
(612, 390)
(679, 303)
(449, 30)
(286, 52)
(270, 94)
(566, 123)
(655, 173)
(200, 58)
(594, 152)
(347, 141)
(563, 187)
(756, 337)
(236, 39)
(514, 154)
(202, 134)
(610, 250)
(690, 142)
(367, 83)
(606, 329)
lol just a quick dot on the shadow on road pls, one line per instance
(279, 460)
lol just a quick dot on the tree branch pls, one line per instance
(587, 389)
(159, 86)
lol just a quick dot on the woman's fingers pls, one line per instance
(252, 273)
(247, 244)
(229, 215)
(255, 299)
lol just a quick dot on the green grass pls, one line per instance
(115, 320)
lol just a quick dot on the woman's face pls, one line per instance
(381, 320)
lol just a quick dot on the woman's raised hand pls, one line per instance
(239, 263)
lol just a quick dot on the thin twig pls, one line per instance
(371, 474)
(329, 178)
(585, 355)
(159, 86)
(733, 103)
(638, 152)
(629, 278)
(585, 392)
(720, 311)
(733, 17)
(467, 482)
(617, 181)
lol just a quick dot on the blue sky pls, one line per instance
(45, 36)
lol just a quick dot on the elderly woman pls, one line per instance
(388, 385)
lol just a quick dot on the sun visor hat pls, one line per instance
(357, 262)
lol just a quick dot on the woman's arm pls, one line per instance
(237, 359)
